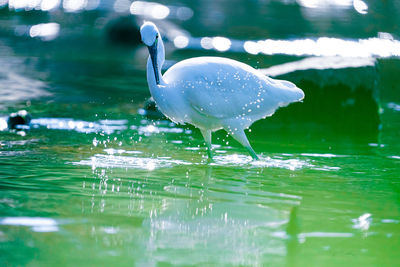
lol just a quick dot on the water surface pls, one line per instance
(95, 182)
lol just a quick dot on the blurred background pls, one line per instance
(89, 51)
(90, 173)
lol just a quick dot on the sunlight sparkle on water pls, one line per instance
(47, 5)
(3, 124)
(381, 46)
(150, 9)
(23, 4)
(360, 6)
(321, 155)
(45, 31)
(150, 129)
(122, 5)
(74, 5)
(221, 43)
(319, 63)
(206, 43)
(325, 46)
(184, 13)
(251, 47)
(105, 126)
(324, 3)
(113, 161)
(110, 230)
(27, 5)
(159, 11)
(38, 224)
(363, 222)
(181, 41)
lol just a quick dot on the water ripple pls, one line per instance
(263, 162)
(113, 161)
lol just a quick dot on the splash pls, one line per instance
(363, 222)
(263, 162)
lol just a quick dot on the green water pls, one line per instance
(157, 201)
(95, 183)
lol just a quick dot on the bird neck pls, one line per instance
(151, 80)
(165, 98)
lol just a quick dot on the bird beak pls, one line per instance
(153, 55)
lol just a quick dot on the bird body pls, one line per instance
(213, 93)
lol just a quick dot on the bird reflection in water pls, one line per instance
(198, 207)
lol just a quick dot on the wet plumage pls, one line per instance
(213, 93)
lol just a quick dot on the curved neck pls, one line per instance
(151, 80)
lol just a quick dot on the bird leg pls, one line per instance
(207, 137)
(240, 136)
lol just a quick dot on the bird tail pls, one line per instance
(291, 93)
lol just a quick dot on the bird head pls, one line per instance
(150, 35)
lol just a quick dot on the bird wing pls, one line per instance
(223, 88)
(223, 97)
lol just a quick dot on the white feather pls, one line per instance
(214, 92)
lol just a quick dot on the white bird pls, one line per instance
(213, 93)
